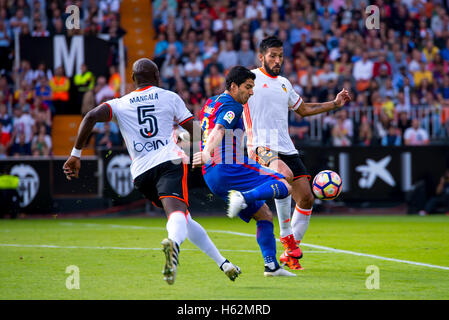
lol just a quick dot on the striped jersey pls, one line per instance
(146, 118)
(266, 113)
(223, 109)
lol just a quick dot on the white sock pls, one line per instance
(284, 209)
(198, 236)
(177, 227)
(300, 222)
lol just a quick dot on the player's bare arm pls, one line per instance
(310, 109)
(214, 139)
(102, 113)
(193, 129)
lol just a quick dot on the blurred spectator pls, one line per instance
(19, 21)
(83, 81)
(60, 86)
(441, 198)
(422, 73)
(363, 72)
(299, 128)
(115, 80)
(102, 91)
(107, 137)
(6, 126)
(193, 68)
(365, 135)
(392, 138)
(415, 135)
(41, 143)
(43, 91)
(5, 42)
(228, 56)
(245, 55)
(171, 71)
(340, 134)
(214, 82)
(39, 30)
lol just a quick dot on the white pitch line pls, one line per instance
(303, 244)
(50, 246)
(345, 251)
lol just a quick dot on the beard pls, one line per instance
(270, 71)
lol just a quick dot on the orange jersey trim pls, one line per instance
(110, 111)
(249, 129)
(184, 121)
(304, 175)
(142, 89)
(295, 107)
(265, 73)
(184, 213)
(185, 191)
(181, 199)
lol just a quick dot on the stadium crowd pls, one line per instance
(30, 97)
(397, 73)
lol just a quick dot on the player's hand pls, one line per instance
(72, 167)
(342, 98)
(200, 159)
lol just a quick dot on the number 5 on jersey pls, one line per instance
(143, 113)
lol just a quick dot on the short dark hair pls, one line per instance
(238, 75)
(270, 42)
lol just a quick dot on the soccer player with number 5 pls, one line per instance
(146, 117)
(266, 122)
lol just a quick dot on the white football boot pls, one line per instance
(236, 203)
(279, 272)
(171, 251)
(231, 270)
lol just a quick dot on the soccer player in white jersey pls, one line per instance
(269, 142)
(146, 117)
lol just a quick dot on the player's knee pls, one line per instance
(283, 169)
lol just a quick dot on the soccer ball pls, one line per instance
(327, 185)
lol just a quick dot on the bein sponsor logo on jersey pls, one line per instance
(149, 146)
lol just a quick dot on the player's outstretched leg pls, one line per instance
(291, 252)
(199, 237)
(304, 199)
(177, 233)
(237, 201)
(267, 244)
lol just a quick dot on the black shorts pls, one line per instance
(296, 165)
(166, 180)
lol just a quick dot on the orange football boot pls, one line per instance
(291, 247)
(290, 262)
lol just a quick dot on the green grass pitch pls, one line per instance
(121, 258)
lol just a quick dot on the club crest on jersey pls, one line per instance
(284, 87)
(229, 116)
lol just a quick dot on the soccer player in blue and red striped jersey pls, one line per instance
(230, 174)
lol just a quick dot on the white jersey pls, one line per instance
(266, 113)
(146, 118)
